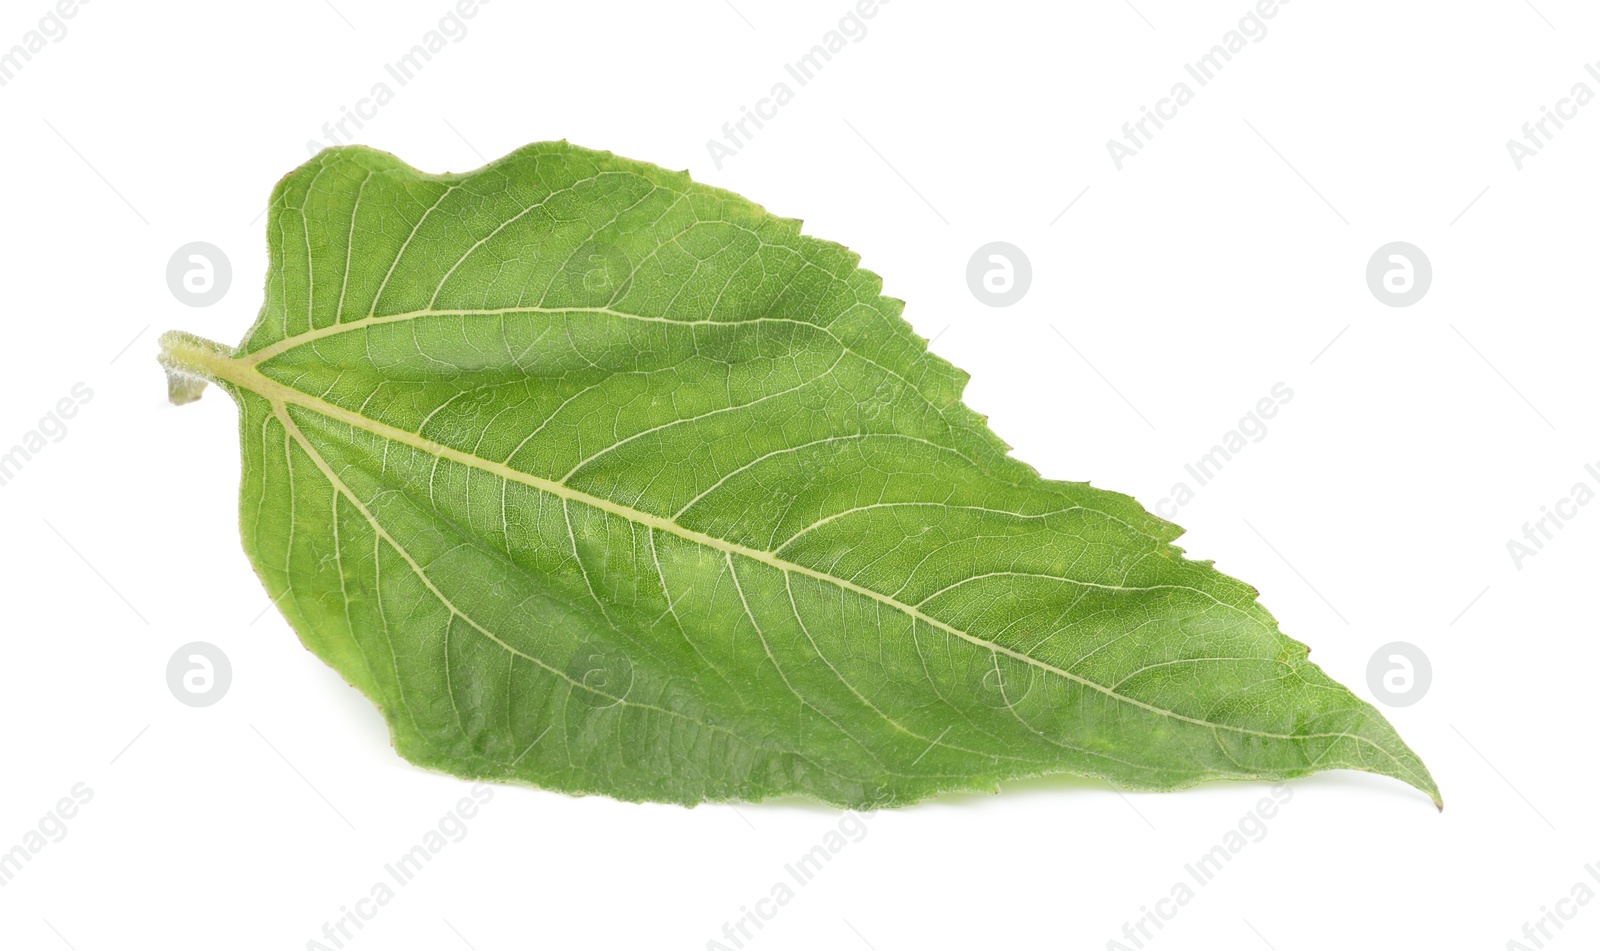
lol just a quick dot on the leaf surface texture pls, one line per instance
(604, 481)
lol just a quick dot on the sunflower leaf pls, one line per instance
(600, 480)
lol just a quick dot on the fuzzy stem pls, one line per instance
(190, 361)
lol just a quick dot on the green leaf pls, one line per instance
(600, 480)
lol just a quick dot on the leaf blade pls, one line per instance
(734, 534)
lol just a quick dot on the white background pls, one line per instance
(1223, 259)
